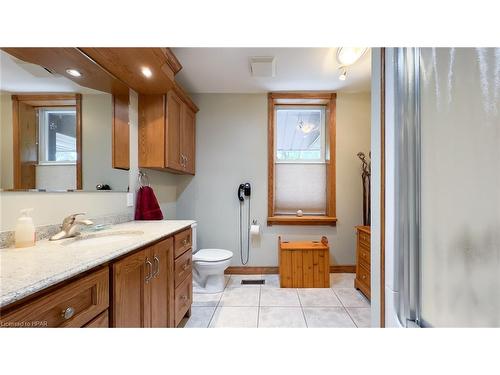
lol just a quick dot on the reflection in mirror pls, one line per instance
(55, 135)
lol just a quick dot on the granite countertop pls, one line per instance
(28, 270)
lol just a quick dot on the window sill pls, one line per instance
(304, 220)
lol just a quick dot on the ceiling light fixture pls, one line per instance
(349, 55)
(306, 128)
(73, 72)
(343, 75)
(146, 72)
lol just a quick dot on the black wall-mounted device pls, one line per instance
(244, 189)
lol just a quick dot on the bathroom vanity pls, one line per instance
(142, 278)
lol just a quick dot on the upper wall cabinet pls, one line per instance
(167, 132)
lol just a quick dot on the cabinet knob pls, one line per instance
(185, 241)
(184, 298)
(68, 313)
(186, 266)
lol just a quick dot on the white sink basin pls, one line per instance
(106, 238)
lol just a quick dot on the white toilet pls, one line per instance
(208, 267)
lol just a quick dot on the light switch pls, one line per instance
(130, 199)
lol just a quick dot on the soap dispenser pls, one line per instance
(25, 229)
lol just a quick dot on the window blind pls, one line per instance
(300, 186)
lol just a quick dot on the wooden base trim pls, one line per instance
(343, 268)
(234, 270)
(251, 270)
(303, 220)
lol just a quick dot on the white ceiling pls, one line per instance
(227, 70)
(18, 76)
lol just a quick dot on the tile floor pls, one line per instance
(269, 306)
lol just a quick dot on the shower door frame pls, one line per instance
(408, 185)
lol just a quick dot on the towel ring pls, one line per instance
(143, 179)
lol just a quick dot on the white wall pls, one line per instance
(97, 128)
(231, 148)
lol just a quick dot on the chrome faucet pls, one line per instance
(69, 226)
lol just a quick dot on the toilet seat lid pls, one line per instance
(212, 255)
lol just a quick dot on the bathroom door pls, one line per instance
(448, 172)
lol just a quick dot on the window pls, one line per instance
(301, 158)
(57, 135)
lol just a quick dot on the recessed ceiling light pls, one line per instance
(73, 72)
(349, 55)
(146, 72)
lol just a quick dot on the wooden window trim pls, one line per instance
(327, 99)
(41, 100)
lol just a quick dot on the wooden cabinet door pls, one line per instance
(121, 132)
(132, 291)
(152, 131)
(161, 288)
(173, 132)
(188, 139)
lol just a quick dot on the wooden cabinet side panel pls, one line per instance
(121, 132)
(286, 269)
(152, 131)
(189, 138)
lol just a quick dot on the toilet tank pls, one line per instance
(194, 246)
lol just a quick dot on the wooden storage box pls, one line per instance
(304, 264)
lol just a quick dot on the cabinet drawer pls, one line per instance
(183, 299)
(363, 276)
(73, 305)
(363, 245)
(183, 267)
(364, 238)
(182, 242)
(101, 321)
(364, 257)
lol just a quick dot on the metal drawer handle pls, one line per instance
(68, 313)
(149, 276)
(186, 266)
(185, 241)
(157, 262)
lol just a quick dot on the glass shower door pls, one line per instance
(459, 201)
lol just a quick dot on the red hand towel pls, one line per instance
(147, 207)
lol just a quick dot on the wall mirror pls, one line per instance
(55, 134)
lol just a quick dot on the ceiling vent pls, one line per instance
(263, 66)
